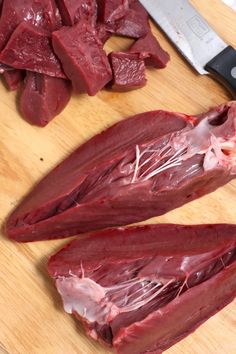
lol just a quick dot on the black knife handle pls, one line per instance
(223, 68)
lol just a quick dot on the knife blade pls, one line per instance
(195, 39)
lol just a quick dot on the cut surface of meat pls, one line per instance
(65, 38)
(37, 54)
(102, 32)
(83, 58)
(128, 71)
(43, 98)
(150, 50)
(42, 14)
(130, 286)
(13, 78)
(134, 24)
(110, 11)
(73, 11)
(141, 167)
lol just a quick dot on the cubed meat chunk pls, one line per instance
(83, 58)
(43, 98)
(112, 10)
(128, 71)
(151, 51)
(29, 48)
(102, 32)
(134, 24)
(72, 11)
(43, 14)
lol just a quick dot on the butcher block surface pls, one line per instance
(32, 318)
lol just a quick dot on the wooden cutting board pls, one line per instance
(32, 320)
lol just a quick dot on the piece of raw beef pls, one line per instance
(43, 97)
(82, 56)
(142, 289)
(141, 167)
(149, 49)
(43, 14)
(73, 11)
(128, 71)
(37, 54)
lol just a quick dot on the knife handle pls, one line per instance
(223, 68)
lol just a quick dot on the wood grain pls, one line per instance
(32, 320)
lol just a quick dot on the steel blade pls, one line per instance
(187, 29)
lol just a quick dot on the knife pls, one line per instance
(195, 39)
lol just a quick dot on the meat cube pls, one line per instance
(43, 14)
(150, 50)
(112, 10)
(83, 58)
(13, 78)
(29, 48)
(73, 11)
(43, 98)
(142, 289)
(102, 32)
(128, 71)
(141, 167)
(134, 24)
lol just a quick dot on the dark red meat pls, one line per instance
(134, 24)
(102, 32)
(128, 71)
(43, 14)
(43, 98)
(110, 11)
(83, 58)
(13, 78)
(141, 167)
(72, 11)
(29, 48)
(150, 50)
(142, 289)
(28, 28)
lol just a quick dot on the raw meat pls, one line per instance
(124, 17)
(37, 54)
(141, 167)
(142, 289)
(128, 71)
(13, 78)
(72, 11)
(150, 50)
(110, 11)
(28, 28)
(102, 32)
(43, 14)
(134, 24)
(43, 98)
(83, 58)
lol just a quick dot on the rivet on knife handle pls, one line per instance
(223, 68)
